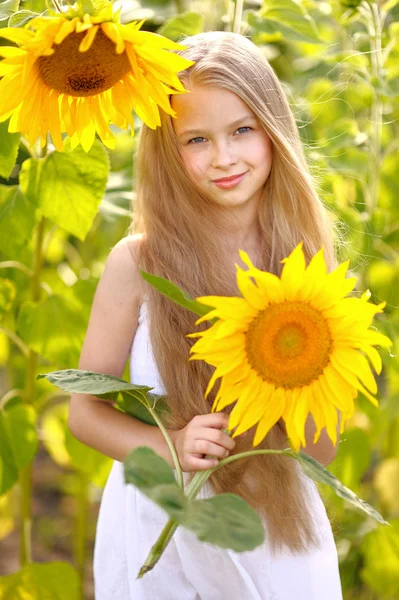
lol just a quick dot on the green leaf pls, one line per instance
(381, 561)
(8, 293)
(9, 143)
(129, 397)
(353, 457)
(51, 581)
(18, 443)
(225, 520)
(174, 293)
(389, 5)
(68, 187)
(145, 469)
(317, 472)
(134, 404)
(17, 221)
(22, 18)
(288, 17)
(188, 23)
(7, 8)
(53, 327)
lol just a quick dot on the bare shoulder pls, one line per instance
(114, 312)
(122, 264)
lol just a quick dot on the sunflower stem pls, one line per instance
(171, 447)
(192, 491)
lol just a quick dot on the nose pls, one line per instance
(224, 155)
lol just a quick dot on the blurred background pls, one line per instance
(338, 61)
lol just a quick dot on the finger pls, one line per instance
(206, 447)
(201, 464)
(216, 420)
(217, 436)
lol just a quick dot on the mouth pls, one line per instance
(227, 183)
(227, 179)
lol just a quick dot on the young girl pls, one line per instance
(227, 173)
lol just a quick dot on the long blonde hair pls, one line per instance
(181, 242)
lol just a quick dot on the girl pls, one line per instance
(227, 173)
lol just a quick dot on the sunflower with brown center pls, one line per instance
(76, 73)
(290, 347)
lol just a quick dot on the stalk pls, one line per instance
(171, 447)
(25, 475)
(193, 489)
(80, 549)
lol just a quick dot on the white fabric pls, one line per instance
(129, 524)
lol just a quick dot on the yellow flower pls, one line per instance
(76, 73)
(291, 347)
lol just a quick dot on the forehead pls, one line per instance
(208, 108)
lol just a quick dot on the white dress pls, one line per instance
(129, 524)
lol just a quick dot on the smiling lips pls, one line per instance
(228, 182)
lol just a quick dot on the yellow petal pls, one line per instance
(274, 410)
(293, 272)
(88, 39)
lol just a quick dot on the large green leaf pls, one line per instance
(174, 293)
(225, 520)
(353, 457)
(188, 23)
(7, 8)
(17, 221)
(18, 443)
(288, 17)
(68, 186)
(317, 472)
(9, 143)
(53, 327)
(7, 295)
(22, 18)
(51, 581)
(381, 561)
(129, 397)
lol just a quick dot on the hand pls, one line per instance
(203, 436)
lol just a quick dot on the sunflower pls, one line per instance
(76, 73)
(290, 347)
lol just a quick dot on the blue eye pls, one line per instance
(244, 128)
(196, 138)
(192, 141)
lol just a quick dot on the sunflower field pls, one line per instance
(67, 189)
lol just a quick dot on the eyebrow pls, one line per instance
(234, 124)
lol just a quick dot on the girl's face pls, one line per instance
(220, 136)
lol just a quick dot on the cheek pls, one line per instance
(262, 151)
(193, 162)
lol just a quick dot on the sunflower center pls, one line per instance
(289, 344)
(83, 73)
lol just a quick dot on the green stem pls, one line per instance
(192, 491)
(81, 529)
(171, 447)
(25, 475)
(17, 340)
(8, 264)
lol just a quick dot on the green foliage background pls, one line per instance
(60, 214)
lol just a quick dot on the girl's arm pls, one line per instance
(110, 333)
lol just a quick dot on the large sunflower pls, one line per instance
(76, 73)
(290, 347)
